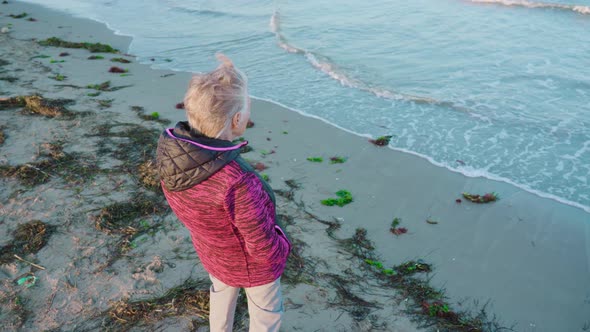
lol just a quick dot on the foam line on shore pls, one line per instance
(585, 10)
(466, 171)
(323, 64)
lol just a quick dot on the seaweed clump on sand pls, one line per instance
(337, 160)
(115, 69)
(123, 217)
(344, 198)
(395, 229)
(298, 269)
(29, 238)
(154, 116)
(92, 47)
(359, 245)
(480, 199)
(428, 304)
(188, 299)
(105, 86)
(2, 135)
(38, 105)
(382, 140)
(315, 159)
(133, 145)
(288, 194)
(21, 15)
(358, 308)
(70, 166)
(29, 175)
(120, 60)
(148, 175)
(104, 103)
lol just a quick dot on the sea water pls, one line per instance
(493, 88)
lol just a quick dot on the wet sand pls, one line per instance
(526, 256)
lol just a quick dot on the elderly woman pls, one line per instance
(227, 207)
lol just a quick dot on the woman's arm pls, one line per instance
(253, 214)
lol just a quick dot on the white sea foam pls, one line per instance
(531, 4)
(324, 65)
(467, 171)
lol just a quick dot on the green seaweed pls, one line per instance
(21, 15)
(344, 198)
(120, 60)
(58, 77)
(95, 57)
(105, 103)
(105, 86)
(426, 303)
(337, 160)
(315, 159)
(154, 116)
(92, 47)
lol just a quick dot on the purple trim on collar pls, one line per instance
(229, 148)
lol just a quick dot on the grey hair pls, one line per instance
(212, 99)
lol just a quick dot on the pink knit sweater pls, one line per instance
(231, 219)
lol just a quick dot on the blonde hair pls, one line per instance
(212, 99)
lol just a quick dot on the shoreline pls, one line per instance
(491, 177)
(523, 236)
(478, 173)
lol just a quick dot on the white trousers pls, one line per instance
(265, 306)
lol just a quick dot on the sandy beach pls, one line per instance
(88, 242)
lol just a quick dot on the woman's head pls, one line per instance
(217, 102)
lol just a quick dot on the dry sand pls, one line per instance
(526, 256)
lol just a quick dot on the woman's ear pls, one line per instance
(235, 121)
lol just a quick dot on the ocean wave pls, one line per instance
(323, 64)
(210, 12)
(531, 4)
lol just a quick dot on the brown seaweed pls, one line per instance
(28, 238)
(382, 140)
(116, 69)
(92, 47)
(39, 105)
